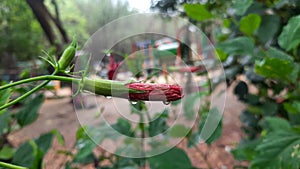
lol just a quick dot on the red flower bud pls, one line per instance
(155, 92)
(134, 91)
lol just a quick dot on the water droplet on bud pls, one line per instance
(133, 103)
(166, 102)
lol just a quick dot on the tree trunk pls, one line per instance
(44, 17)
(57, 22)
(41, 14)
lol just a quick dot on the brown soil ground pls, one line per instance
(59, 114)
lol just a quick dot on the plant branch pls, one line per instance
(11, 166)
(133, 91)
(39, 78)
(204, 156)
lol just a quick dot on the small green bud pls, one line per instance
(67, 56)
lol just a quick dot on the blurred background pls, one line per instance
(29, 27)
(257, 42)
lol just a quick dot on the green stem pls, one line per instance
(48, 78)
(11, 166)
(39, 78)
(98, 86)
(204, 156)
(24, 95)
(29, 92)
(143, 164)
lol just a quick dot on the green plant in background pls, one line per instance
(16, 18)
(30, 153)
(258, 40)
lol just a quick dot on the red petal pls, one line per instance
(155, 92)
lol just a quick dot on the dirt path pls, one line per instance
(59, 114)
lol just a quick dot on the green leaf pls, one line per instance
(252, 99)
(4, 96)
(31, 153)
(178, 131)
(4, 121)
(29, 112)
(282, 3)
(245, 150)
(279, 149)
(207, 127)
(25, 73)
(269, 108)
(25, 154)
(222, 55)
(275, 68)
(226, 23)
(159, 125)
(250, 23)
(241, 6)
(59, 136)
(270, 25)
(188, 106)
(237, 46)
(250, 123)
(290, 36)
(292, 107)
(87, 139)
(123, 127)
(215, 135)
(197, 12)
(44, 142)
(276, 53)
(83, 158)
(193, 139)
(6, 152)
(85, 146)
(174, 158)
(85, 153)
(127, 163)
(275, 124)
(190, 103)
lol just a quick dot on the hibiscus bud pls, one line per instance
(155, 92)
(134, 91)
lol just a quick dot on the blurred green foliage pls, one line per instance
(97, 13)
(260, 47)
(21, 35)
(23, 39)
